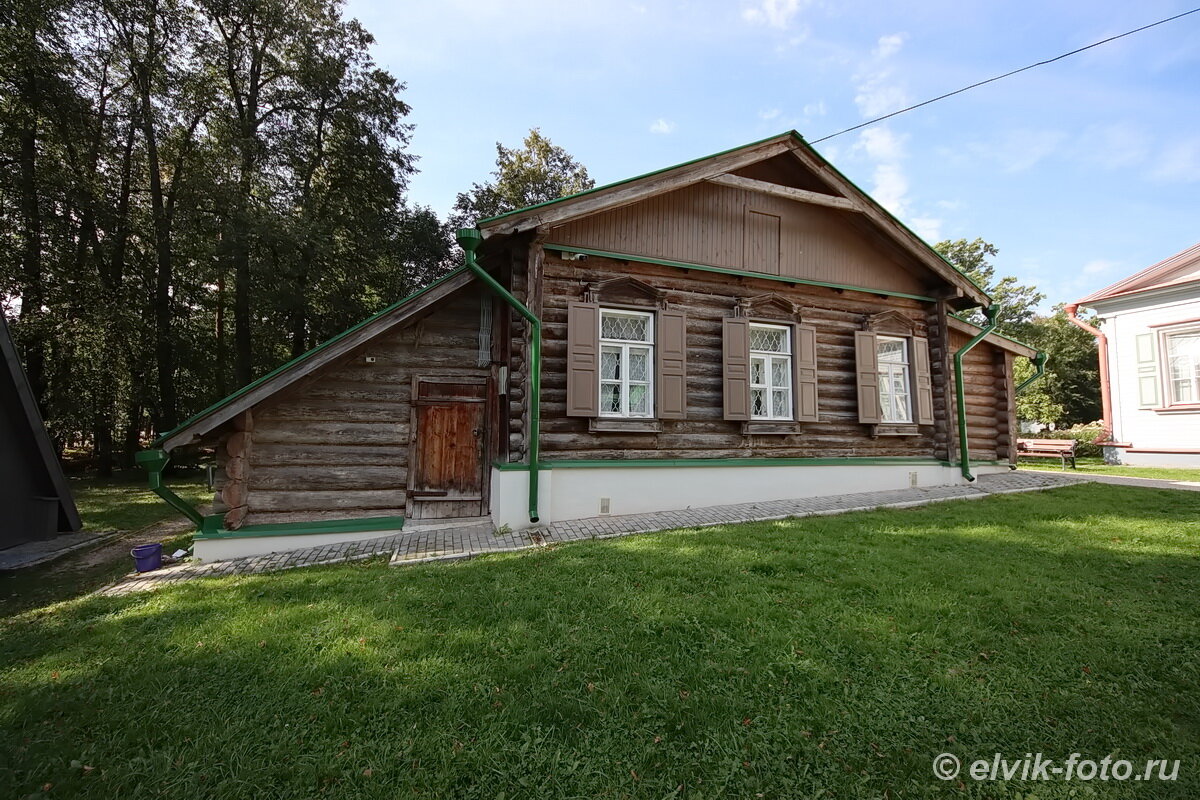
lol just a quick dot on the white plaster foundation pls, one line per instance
(577, 493)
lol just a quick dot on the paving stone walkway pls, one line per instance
(477, 537)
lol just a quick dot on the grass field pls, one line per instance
(815, 658)
(1098, 466)
(124, 503)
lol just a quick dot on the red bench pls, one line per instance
(1063, 449)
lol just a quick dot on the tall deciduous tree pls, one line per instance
(536, 172)
(1018, 301)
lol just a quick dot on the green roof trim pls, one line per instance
(789, 133)
(300, 358)
(741, 273)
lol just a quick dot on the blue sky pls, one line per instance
(1080, 172)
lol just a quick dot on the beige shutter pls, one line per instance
(735, 338)
(671, 348)
(806, 373)
(1147, 370)
(923, 380)
(866, 360)
(583, 360)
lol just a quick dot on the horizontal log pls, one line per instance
(329, 432)
(348, 454)
(333, 409)
(342, 499)
(328, 477)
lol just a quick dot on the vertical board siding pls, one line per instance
(708, 300)
(337, 444)
(721, 226)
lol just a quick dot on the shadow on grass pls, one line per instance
(830, 654)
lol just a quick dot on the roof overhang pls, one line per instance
(993, 338)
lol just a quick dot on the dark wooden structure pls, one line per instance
(34, 495)
(698, 268)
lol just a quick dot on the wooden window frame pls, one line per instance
(885, 400)
(789, 333)
(624, 346)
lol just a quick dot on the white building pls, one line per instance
(1151, 321)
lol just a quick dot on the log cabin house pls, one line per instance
(744, 327)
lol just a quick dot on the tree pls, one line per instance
(1018, 302)
(537, 172)
(1072, 379)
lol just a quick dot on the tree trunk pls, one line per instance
(32, 290)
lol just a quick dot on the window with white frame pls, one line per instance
(1183, 366)
(770, 372)
(626, 363)
(895, 387)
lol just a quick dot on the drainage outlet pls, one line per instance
(605, 505)
(912, 479)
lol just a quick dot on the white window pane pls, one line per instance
(758, 402)
(639, 365)
(1182, 391)
(637, 399)
(768, 340)
(779, 403)
(610, 398)
(758, 371)
(893, 351)
(610, 363)
(625, 327)
(780, 367)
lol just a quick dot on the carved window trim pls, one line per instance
(606, 292)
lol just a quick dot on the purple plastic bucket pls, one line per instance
(147, 556)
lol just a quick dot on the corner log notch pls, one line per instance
(233, 455)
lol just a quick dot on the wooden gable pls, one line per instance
(737, 228)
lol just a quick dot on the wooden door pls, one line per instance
(448, 471)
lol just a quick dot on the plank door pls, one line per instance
(448, 472)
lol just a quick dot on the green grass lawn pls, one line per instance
(124, 503)
(815, 658)
(1097, 465)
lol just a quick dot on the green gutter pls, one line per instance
(964, 456)
(470, 239)
(1039, 363)
(154, 462)
(570, 248)
(636, 463)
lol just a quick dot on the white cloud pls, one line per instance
(662, 126)
(928, 228)
(769, 114)
(876, 93)
(880, 144)
(889, 45)
(774, 13)
(890, 188)
(1113, 146)
(1179, 163)
(816, 109)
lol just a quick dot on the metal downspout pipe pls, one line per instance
(470, 239)
(1105, 387)
(964, 453)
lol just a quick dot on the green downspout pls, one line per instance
(964, 453)
(1039, 364)
(470, 239)
(154, 462)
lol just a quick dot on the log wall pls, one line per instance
(990, 403)
(708, 298)
(336, 445)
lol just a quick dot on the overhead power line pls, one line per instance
(1006, 75)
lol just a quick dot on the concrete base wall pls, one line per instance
(245, 546)
(1119, 455)
(578, 493)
